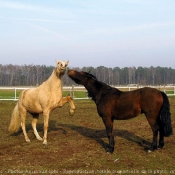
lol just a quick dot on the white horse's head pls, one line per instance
(61, 67)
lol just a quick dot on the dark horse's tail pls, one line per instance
(165, 116)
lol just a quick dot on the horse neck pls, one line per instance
(54, 81)
(95, 90)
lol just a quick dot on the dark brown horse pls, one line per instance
(114, 104)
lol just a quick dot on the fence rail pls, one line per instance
(169, 90)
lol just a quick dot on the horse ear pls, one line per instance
(67, 62)
(57, 61)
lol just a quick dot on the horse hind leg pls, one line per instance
(161, 140)
(23, 119)
(34, 122)
(161, 134)
(155, 128)
(158, 128)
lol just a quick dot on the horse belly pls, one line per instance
(126, 112)
(119, 111)
(125, 116)
(32, 105)
(34, 108)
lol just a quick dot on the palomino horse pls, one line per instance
(42, 99)
(114, 104)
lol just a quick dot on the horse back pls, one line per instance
(125, 105)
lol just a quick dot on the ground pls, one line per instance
(76, 145)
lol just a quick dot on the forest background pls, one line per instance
(34, 75)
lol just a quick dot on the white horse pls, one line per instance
(42, 99)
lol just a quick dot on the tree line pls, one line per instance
(34, 75)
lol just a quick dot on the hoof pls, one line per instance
(149, 151)
(40, 139)
(160, 147)
(28, 140)
(152, 148)
(109, 150)
(45, 142)
(71, 112)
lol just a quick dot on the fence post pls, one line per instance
(164, 89)
(15, 93)
(73, 91)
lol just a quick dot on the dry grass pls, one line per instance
(77, 145)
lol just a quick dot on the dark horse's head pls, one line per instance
(89, 81)
(81, 77)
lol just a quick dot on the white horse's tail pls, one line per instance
(15, 121)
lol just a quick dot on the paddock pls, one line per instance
(77, 144)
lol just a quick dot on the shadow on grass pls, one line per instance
(97, 135)
(40, 128)
(94, 134)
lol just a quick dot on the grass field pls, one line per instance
(10, 93)
(78, 93)
(76, 145)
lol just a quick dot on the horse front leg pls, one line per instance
(46, 124)
(69, 99)
(109, 130)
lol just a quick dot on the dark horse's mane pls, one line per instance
(99, 85)
(91, 75)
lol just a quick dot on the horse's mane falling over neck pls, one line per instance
(97, 88)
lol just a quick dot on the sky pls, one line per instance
(110, 33)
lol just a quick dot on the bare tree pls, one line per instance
(153, 72)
